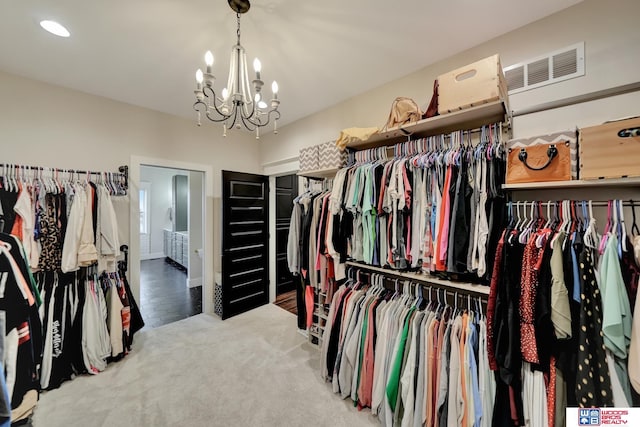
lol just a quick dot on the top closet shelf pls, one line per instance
(470, 118)
(319, 173)
(608, 182)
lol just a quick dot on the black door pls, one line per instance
(245, 237)
(286, 191)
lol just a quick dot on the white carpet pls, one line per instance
(250, 370)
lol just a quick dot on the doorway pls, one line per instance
(171, 206)
(286, 191)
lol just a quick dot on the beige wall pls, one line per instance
(47, 125)
(50, 126)
(612, 44)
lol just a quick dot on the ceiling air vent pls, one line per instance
(554, 67)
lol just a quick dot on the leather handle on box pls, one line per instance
(628, 133)
(552, 152)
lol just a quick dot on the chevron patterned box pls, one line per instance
(309, 159)
(331, 157)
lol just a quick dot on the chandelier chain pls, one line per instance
(238, 31)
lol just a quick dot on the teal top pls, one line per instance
(616, 311)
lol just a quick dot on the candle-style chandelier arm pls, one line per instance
(205, 107)
(258, 120)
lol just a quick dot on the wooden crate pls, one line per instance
(474, 84)
(605, 151)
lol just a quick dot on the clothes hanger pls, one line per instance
(585, 217)
(591, 237)
(12, 176)
(9, 178)
(397, 289)
(549, 222)
(622, 243)
(635, 231)
(47, 181)
(455, 302)
(526, 231)
(562, 227)
(419, 291)
(574, 217)
(56, 180)
(615, 226)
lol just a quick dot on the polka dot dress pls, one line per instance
(593, 383)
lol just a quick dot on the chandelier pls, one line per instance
(237, 105)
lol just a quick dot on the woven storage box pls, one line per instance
(611, 150)
(537, 165)
(330, 156)
(474, 84)
(309, 159)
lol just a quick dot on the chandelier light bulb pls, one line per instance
(274, 87)
(257, 66)
(225, 94)
(199, 78)
(258, 97)
(262, 105)
(208, 58)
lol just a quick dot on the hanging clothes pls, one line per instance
(22, 338)
(410, 360)
(64, 234)
(433, 207)
(566, 287)
(311, 247)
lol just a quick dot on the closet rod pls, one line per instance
(425, 280)
(597, 204)
(41, 168)
(391, 147)
(587, 97)
(448, 294)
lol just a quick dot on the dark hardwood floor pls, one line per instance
(164, 295)
(287, 301)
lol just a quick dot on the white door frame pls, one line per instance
(134, 227)
(272, 170)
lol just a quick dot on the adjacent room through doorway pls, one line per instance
(171, 244)
(286, 191)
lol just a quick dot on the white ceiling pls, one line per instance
(145, 52)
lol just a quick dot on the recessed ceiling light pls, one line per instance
(55, 28)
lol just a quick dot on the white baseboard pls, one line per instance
(154, 255)
(192, 283)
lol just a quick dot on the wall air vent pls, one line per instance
(563, 64)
